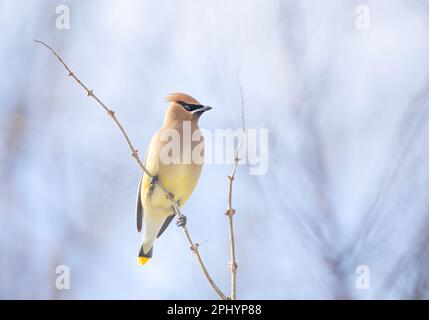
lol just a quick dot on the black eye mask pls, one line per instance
(190, 107)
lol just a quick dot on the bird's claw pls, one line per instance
(154, 180)
(181, 220)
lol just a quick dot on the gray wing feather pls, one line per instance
(165, 225)
(139, 207)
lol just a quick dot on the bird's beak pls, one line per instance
(202, 109)
(205, 108)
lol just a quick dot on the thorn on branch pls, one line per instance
(170, 195)
(135, 153)
(89, 93)
(231, 178)
(233, 266)
(230, 212)
(71, 74)
(111, 113)
(194, 247)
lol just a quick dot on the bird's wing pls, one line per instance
(165, 225)
(139, 207)
(152, 164)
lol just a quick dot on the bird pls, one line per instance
(178, 173)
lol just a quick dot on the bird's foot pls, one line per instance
(181, 220)
(154, 180)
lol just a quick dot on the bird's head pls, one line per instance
(184, 107)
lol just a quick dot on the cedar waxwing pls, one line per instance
(154, 210)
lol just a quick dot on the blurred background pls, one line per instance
(347, 114)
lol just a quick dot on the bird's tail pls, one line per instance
(151, 227)
(144, 257)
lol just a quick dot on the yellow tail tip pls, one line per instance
(143, 260)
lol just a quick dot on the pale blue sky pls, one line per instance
(347, 120)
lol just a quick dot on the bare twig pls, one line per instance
(230, 211)
(194, 248)
(134, 153)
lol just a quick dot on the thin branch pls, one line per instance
(230, 211)
(194, 248)
(134, 153)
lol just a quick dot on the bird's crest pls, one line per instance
(178, 96)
